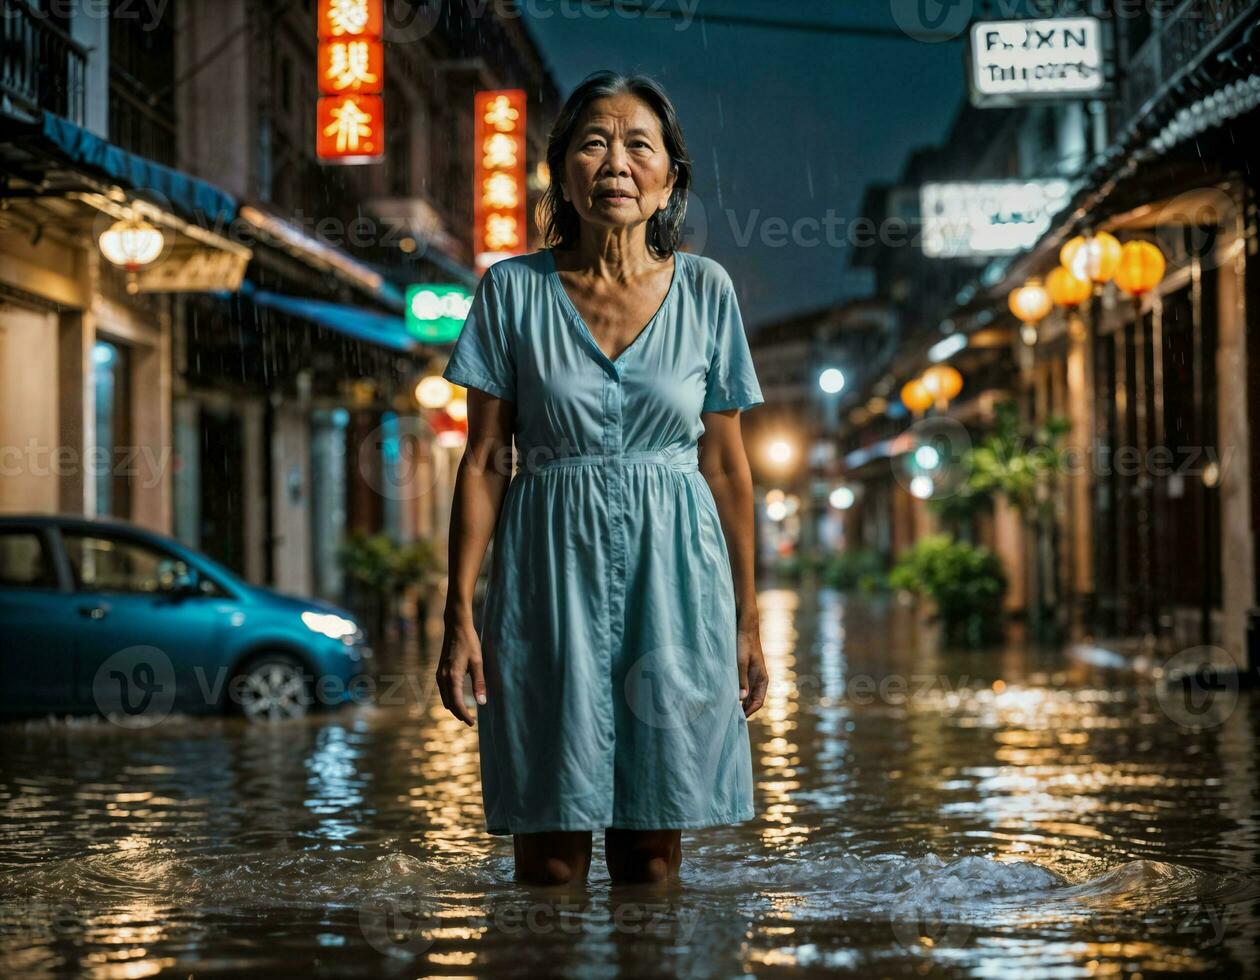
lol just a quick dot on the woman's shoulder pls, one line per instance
(707, 276)
(516, 270)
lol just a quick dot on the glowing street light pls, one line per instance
(842, 498)
(927, 458)
(434, 391)
(831, 381)
(779, 452)
(921, 487)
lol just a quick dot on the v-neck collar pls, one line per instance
(573, 314)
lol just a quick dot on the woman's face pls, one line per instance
(617, 171)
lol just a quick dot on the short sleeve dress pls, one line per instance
(608, 631)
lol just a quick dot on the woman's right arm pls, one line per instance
(480, 483)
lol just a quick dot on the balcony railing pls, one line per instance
(41, 67)
(1175, 42)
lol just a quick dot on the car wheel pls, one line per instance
(271, 688)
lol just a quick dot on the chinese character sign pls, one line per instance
(499, 176)
(350, 117)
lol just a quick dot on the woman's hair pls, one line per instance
(558, 218)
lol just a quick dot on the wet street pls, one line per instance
(997, 813)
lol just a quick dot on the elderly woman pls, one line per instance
(618, 656)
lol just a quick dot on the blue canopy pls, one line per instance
(185, 193)
(381, 329)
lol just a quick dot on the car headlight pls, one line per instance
(331, 625)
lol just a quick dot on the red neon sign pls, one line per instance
(350, 116)
(499, 223)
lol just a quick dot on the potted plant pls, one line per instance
(965, 583)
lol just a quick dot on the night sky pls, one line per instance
(780, 124)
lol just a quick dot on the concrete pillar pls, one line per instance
(291, 500)
(1235, 448)
(30, 456)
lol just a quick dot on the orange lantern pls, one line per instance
(1094, 257)
(1029, 302)
(943, 383)
(1065, 288)
(915, 396)
(1141, 267)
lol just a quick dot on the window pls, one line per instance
(24, 562)
(108, 564)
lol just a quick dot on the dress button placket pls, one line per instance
(614, 435)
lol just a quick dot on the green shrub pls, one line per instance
(965, 582)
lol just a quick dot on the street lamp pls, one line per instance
(831, 380)
(779, 452)
(921, 487)
(842, 498)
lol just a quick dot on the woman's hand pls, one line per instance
(461, 654)
(753, 677)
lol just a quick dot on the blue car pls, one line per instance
(104, 617)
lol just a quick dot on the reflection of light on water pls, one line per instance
(778, 756)
(335, 784)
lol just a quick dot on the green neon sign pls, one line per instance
(436, 312)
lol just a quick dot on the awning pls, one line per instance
(192, 197)
(62, 176)
(381, 329)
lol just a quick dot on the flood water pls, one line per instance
(998, 813)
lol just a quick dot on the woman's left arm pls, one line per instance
(724, 466)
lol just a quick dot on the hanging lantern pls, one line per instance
(1030, 302)
(131, 243)
(943, 383)
(1065, 288)
(1093, 258)
(1141, 267)
(915, 396)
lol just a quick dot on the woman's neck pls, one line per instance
(618, 255)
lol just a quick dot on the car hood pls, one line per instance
(297, 603)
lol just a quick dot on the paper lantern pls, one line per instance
(1094, 257)
(1065, 288)
(1029, 302)
(1141, 267)
(131, 243)
(915, 396)
(942, 382)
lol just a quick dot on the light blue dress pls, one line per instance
(608, 632)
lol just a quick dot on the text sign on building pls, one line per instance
(1019, 60)
(499, 222)
(350, 116)
(987, 217)
(436, 313)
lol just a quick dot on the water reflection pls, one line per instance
(982, 813)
